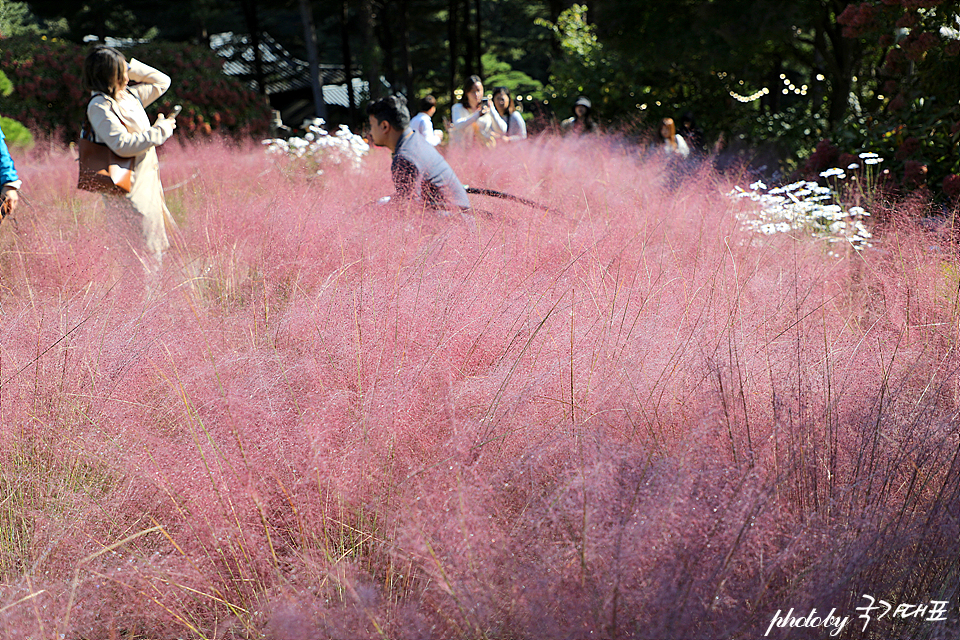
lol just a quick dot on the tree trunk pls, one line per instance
(385, 31)
(313, 57)
(406, 70)
(253, 28)
(470, 55)
(347, 72)
(840, 57)
(371, 52)
(452, 29)
(479, 61)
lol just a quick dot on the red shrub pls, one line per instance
(951, 185)
(48, 96)
(914, 173)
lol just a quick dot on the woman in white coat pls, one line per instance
(117, 118)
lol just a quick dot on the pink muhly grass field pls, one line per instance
(625, 417)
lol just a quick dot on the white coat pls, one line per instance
(123, 125)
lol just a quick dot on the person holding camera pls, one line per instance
(9, 181)
(420, 174)
(474, 121)
(117, 119)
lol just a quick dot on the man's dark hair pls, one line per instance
(392, 109)
(428, 103)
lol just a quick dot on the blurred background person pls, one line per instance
(503, 103)
(581, 121)
(473, 119)
(422, 123)
(692, 134)
(669, 141)
(9, 180)
(117, 119)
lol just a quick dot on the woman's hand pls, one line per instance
(165, 124)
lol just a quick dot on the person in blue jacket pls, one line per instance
(9, 181)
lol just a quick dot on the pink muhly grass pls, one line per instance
(623, 417)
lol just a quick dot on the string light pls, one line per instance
(788, 88)
(755, 96)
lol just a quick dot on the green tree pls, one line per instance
(93, 17)
(15, 133)
(584, 66)
(911, 102)
(501, 74)
(17, 19)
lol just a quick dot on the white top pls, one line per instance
(422, 124)
(470, 126)
(681, 149)
(516, 127)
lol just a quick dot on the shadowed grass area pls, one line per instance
(628, 416)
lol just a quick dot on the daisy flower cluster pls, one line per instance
(804, 207)
(830, 212)
(320, 147)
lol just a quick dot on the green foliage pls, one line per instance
(501, 74)
(97, 17)
(919, 142)
(789, 130)
(17, 19)
(511, 35)
(586, 67)
(911, 105)
(15, 134)
(48, 96)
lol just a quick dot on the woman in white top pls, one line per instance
(516, 127)
(670, 141)
(116, 115)
(473, 119)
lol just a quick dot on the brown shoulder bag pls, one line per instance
(101, 170)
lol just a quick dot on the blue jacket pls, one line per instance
(8, 173)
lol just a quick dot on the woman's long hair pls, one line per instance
(672, 129)
(467, 86)
(506, 92)
(103, 70)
